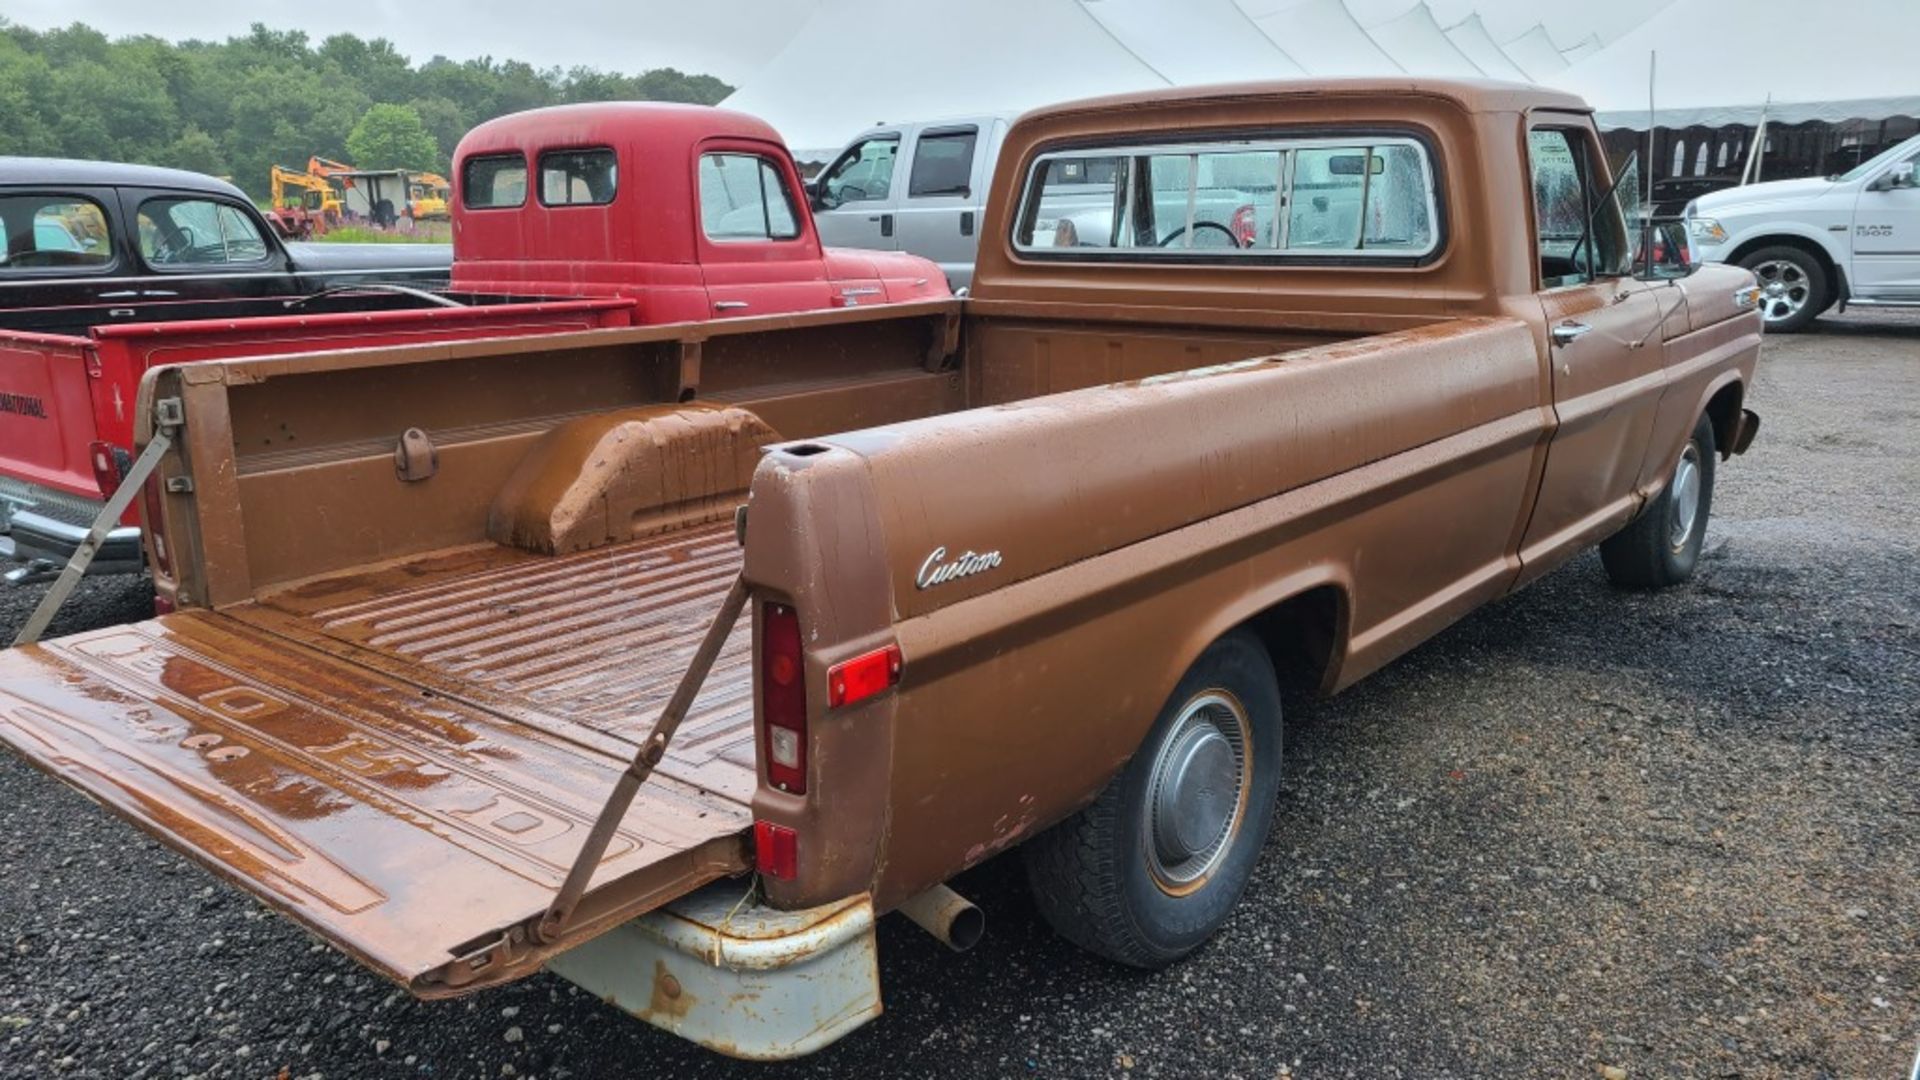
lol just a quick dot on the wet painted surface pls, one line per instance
(400, 820)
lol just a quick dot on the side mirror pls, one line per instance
(1900, 176)
(1665, 253)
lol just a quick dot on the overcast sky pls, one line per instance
(727, 38)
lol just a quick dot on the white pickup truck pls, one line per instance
(1814, 243)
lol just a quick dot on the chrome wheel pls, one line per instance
(1784, 289)
(1197, 792)
(1684, 498)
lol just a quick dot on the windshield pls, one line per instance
(1861, 171)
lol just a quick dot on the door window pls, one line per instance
(52, 232)
(745, 197)
(863, 174)
(197, 232)
(943, 164)
(1580, 227)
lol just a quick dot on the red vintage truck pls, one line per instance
(659, 213)
(671, 657)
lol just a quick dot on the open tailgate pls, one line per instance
(421, 833)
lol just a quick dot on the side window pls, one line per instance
(578, 177)
(863, 173)
(197, 232)
(53, 232)
(942, 163)
(493, 181)
(745, 197)
(1577, 237)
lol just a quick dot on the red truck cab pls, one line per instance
(693, 212)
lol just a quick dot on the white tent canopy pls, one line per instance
(1720, 61)
(1470, 36)
(856, 64)
(1324, 36)
(1215, 41)
(852, 65)
(1416, 43)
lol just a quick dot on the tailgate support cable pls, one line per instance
(167, 418)
(554, 922)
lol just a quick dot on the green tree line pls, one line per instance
(236, 107)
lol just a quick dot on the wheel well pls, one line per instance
(1724, 411)
(1801, 242)
(1303, 635)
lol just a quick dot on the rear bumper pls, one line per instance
(39, 526)
(721, 970)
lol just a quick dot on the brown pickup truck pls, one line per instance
(668, 657)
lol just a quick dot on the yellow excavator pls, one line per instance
(303, 203)
(429, 193)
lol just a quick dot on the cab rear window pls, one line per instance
(493, 181)
(578, 177)
(1269, 199)
(52, 232)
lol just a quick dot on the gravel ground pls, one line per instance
(1582, 831)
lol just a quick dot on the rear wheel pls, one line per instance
(1661, 547)
(1152, 868)
(1794, 289)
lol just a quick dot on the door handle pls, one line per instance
(886, 224)
(1567, 332)
(966, 223)
(729, 305)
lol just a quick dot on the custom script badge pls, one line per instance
(938, 569)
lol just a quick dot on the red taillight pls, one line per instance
(776, 850)
(1244, 228)
(863, 676)
(106, 467)
(783, 699)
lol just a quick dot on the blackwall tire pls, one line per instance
(1661, 547)
(1151, 869)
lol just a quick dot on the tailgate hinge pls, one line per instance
(654, 747)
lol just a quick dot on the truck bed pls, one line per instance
(407, 759)
(586, 647)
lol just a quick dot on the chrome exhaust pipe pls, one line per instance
(948, 916)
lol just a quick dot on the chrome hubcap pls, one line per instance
(1686, 497)
(1784, 289)
(1197, 791)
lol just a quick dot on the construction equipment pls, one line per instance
(312, 205)
(430, 194)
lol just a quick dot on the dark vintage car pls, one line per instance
(95, 233)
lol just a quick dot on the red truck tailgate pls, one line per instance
(46, 412)
(424, 823)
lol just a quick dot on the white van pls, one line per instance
(915, 187)
(1849, 239)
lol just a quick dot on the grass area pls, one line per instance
(438, 232)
